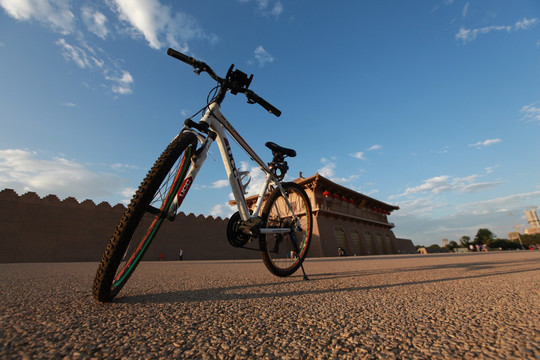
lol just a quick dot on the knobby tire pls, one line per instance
(141, 222)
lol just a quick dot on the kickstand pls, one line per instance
(304, 272)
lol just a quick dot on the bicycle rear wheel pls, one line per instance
(143, 217)
(284, 253)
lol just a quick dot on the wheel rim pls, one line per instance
(150, 223)
(281, 248)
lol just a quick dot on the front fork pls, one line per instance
(197, 160)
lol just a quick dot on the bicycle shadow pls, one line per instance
(302, 287)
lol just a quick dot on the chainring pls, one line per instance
(235, 235)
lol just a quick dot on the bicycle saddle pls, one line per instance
(279, 150)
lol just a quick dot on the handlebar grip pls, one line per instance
(269, 107)
(265, 104)
(178, 55)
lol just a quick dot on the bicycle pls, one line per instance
(281, 219)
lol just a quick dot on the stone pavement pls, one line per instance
(382, 307)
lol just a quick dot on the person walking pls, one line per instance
(181, 255)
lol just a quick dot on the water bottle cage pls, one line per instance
(245, 179)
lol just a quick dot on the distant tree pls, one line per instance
(434, 246)
(483, 236)
(465, 241)
(529, 240)
(503, 244)
(452, 245)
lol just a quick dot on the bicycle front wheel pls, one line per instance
(143, 217)
(283, 253)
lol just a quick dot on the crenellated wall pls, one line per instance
(34, 229)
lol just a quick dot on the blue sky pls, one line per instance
(433, 106)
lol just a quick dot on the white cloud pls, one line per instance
(472, 188)
(346, 180)
(127, 195)
(422, 207)
(159, 25)
(55, 14)
(434, 185)
(75, 54)
(525, 24)
(256, 179)
(467, 35)
(531, 113)
(122, 167)
(328, 170)
(24, 171)
(222, 210)
(277, 9)
(420, 219)
(485, 143)
(95, 21)
(444, 150)
(121, 80)
(121, 84)
(144, 17)
(358, 155)
(262, 56)
(219, 184)
(267, 7)
(500, 204)
(441, 184)
(465, 10)
(470, 34)
(361, 155)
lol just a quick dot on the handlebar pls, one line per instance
(178, 55)
(254, 98)
(228, 83)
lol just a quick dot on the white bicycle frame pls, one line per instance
(221, 126)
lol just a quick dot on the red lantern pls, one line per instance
(343, 198)
(335, 196)
(326, 193)
(351, 201)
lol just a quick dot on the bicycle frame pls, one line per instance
(221, 126)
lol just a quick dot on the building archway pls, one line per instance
(341, 241)
(369, 243)
(357, 243)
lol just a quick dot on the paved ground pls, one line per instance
(408, 307)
